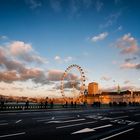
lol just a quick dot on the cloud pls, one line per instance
(19, 48)
(3, 37)
(99, 5)
(34, 74)
(34, 3)
(130, 66)
(56, 5)
(99, 37)
(127, 82)
(87, 3)
(115, 88)
(106, 78)
(56, 75)
(111, 19)
(10, 64)
(119, 28)
(60, 60)
(25, 52)
(15, 70)
(127, 44)
(57, 58)
(8, 76)
(69, 85)
(68, 59)
(114, 62)
(130, 59)
(76, 6)
(117, 1)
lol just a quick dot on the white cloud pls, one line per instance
(127, 44)
(99, 37)
(115, 88)
(56, 5)
(19, 47)
(56, 75)
(127, 82)
(130, 66)
(3, 37)
(114, 62)
(57, 58)
(15, 69)
(119, 28)
(111, 19)
(99, 5)
(106, 78)
(61, 60)
(117, 1)
(25, 52)
(34, 3)
(68, 59)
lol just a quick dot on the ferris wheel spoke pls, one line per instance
(76, 86)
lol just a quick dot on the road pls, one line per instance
(86, 124)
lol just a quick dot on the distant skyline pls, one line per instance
(39, 39)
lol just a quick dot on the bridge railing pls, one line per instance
(33, 106)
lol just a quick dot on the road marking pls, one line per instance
(94, 116)
(62, 116)
(53, 122)
(65, 121)
(117, 134)
(44, 120)
(103, 126)
(85, 130)
(78, 116)
(65, 126)
(10, 135)
(133, 123)
(18, 121)
(117, 112)
(53, 118)
(106, 118)
(73, 120)
(120, 117)
(3, 123)
(66, 118)
(41, 118)
(136, 114)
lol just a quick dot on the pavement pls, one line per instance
(70, 124)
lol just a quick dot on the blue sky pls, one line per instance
(46, 36)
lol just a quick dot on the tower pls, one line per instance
(92, 88)
(118, 89)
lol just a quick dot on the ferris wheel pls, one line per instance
(73, 81)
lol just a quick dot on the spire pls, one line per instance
(118, 89)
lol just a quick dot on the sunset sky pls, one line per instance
(39, 39)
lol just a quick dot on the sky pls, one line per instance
(39, 39)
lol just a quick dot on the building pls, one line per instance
(110, 97)
(92, 88)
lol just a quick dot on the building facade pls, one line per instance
(110, 97)
(92, 88)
